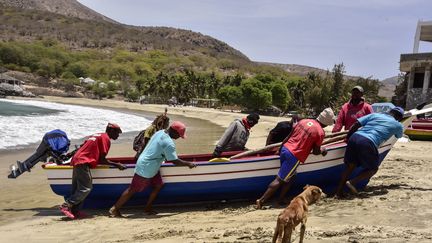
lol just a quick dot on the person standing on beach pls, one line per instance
(363, 144)
(307, 135)
(352, 110)
(160, 147)
(281, 130)
(141, 141)
(88, 156)
(236, 135)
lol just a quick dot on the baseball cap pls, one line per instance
(114, 126)
(180, 128)
(399, 110)
(326, 117)
(359, 88)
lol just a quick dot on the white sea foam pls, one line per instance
(76, 121)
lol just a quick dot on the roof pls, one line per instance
(423, 33)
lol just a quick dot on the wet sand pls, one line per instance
(394, 208)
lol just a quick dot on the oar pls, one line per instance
(329, 138)
(339, 138)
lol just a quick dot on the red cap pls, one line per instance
(115, 126)
(180, 128)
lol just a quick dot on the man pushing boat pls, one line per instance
(88, 156)
(161, 147)
(363, 144)
(307, 135)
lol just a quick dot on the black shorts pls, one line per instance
(362, 152)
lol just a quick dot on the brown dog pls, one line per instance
(296, 213)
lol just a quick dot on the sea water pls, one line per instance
(24, 122)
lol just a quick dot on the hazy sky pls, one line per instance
(368, 36)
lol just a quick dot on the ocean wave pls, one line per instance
(76, 121)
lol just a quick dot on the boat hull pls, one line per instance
(419, 134)
(241, 179)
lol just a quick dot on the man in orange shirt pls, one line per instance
(307, 135)
(88, 156)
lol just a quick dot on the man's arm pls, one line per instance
(226, 137)
(180, 162)
(120, 166)
(340, 121)
(353, 129)
(286, 139)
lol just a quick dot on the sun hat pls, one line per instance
(326, 117)
(114, 126)
(180, 128)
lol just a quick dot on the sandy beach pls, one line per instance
(394, 208)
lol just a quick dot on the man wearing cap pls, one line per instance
(236, 135)
(363, 144)
(352, 110)
(89, 155)
(307, 135)
(161, 147)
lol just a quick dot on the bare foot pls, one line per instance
(351, 187)
(150, 212)
(115, 213)
(258, 204)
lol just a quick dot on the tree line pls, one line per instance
(161, 74)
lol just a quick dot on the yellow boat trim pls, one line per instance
(68, 167)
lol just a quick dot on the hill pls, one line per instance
(69, 8)
(78, 27)
(302, 70)
(388, 87)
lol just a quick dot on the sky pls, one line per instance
(367, 36)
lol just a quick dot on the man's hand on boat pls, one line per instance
(319, 150)
(120, 166)
(180, 162)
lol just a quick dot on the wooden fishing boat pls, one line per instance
(419, 134)
(420, 129)
(243, 178)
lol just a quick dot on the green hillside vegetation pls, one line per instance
(162, 75)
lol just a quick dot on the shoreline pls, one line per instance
(393, 208)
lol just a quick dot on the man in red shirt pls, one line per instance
(88, 156)
(307, 135)
(352, 110)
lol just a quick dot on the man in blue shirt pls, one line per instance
(161, 147)
(363, 144)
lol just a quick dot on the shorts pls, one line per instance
(362, 152)
(140, 183)
(289, 164)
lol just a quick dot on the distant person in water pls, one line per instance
(352, 110)
(307, 136)
(160, 148)
(141, 141)
(363, 144)
(89, 155)
(236, 135)
(281, 131)
(54, 144)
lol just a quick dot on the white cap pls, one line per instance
(326, 117)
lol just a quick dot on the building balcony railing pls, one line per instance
(415, 60)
